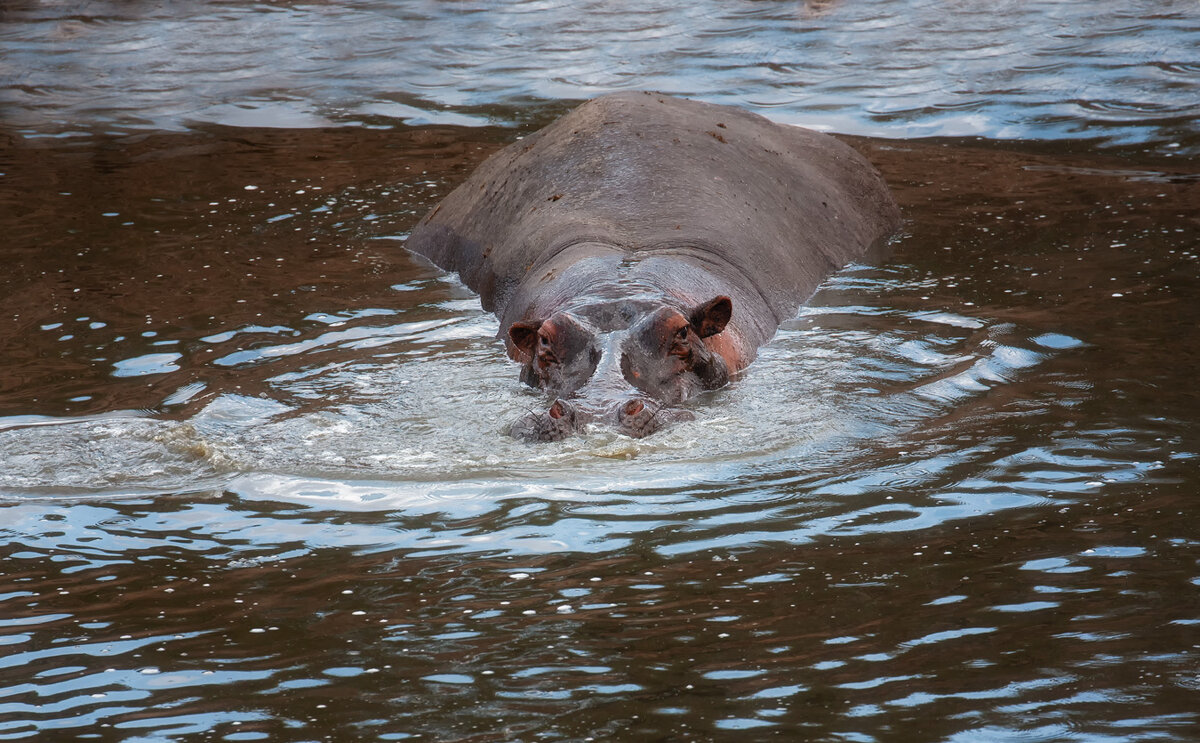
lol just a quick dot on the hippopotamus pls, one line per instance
(641, 248)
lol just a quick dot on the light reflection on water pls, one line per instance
(1122, 72)
(252, 478)
(828, 431)
(930, 505)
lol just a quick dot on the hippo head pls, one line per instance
(627, 367)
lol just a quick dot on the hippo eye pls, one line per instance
(543, 341)
(631, 374)
(679, 343)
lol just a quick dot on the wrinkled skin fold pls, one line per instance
(641, 248)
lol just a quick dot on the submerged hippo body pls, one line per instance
(641, 248)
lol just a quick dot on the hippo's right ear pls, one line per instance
(523, 335)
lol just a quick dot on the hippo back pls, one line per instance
(776, 207)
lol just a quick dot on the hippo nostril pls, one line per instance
(560, 420)
(633, 407)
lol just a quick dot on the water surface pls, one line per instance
(1115, 72)
(253, 482)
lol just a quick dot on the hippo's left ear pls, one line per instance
(711, 317)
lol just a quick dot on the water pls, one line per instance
(1115, 72)
(254, 484)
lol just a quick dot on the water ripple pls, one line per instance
(111, 68)
(834, 432)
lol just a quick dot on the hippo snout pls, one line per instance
(638, 417)
(559, 421)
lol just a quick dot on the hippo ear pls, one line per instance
(711, 317)
(523, 335)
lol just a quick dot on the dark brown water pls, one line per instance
(253, 482)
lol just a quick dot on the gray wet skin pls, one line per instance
(641, 248)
